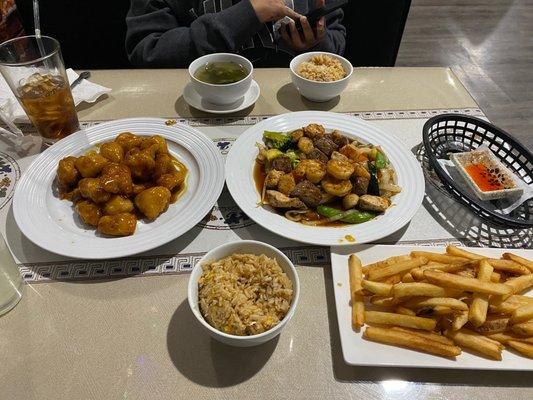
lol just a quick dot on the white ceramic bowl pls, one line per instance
(221, 94)
(319, 91)
(248, 247)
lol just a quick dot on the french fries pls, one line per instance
(519, 260)
(470, 284)
(379, 288)
(437, 257)
(418, 289)
(480, 301)
(525, 349)
(448, 302)
(522, 314)
(396, 268)
(410, 341)
(504, 337)
(407, 321)
(457, 252)
(459, 320)
(476, 342)
(438, 303)
(524, 329)
(358, 306)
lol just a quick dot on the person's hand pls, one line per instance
(272, 10)
(310, 37)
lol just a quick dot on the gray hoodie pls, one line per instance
(172, 33)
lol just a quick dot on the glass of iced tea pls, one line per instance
(33, 67)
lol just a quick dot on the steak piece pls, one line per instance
(360, 185)
(308, 193)
(326, 145)
(282, 163)
(316, 154)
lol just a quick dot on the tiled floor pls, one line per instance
(489, 45)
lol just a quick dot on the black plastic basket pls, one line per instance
(452, 133)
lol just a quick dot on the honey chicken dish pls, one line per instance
(129, 178)
(323, 178)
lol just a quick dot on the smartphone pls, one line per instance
(314, 15)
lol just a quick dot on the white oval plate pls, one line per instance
(239, 178)
(52, 224)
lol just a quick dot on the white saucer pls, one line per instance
(193, 99)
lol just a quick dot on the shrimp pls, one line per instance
(314, 170)
(296, 135)
(305, 145)
(336, 187)
(340, 169)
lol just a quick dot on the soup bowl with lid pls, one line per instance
(222, 94)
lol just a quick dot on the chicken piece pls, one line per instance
(118, 205)
(159, 142)
(117, 225)
(128, 140)
(373, 203)
(286, 183)
(141, 163)
(171, 180)
(308, 193)
(314, 131)
(296, 135)
(92, 189)
(113, 151)
(282, 163)
(336, 187)
(67, 174)
(360, 185)
(279, 200)
(116, 178)
(152, 202)
(360, 170)
(74, 195)
(316, 154)
(139, 187)
(325, 145)
(339, 139)
(340, 169)
(163, 164)
(91, 164)
(272, 178)
(350, 201)
(89, 212)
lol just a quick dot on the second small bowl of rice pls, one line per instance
(320, 76)
(243, 293)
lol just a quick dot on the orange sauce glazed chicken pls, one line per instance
(125, 179)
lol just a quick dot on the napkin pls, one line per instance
(84, 91)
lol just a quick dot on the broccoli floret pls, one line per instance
(277, 140)
(295, 157)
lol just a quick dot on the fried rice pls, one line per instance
(244, 294)
(322, 68)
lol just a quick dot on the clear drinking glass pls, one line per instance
(10, 279)
(33, 68)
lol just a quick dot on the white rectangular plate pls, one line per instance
(358, 351)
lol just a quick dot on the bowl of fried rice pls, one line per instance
(320, 76)
(243, 293)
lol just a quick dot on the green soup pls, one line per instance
(221, 72)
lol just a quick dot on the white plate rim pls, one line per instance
(199, 145)
(254, 86)
(396, 356)
(239, 180)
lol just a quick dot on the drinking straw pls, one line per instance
(37, 27)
